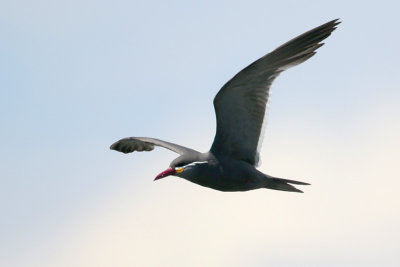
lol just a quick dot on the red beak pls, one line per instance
(167, 172)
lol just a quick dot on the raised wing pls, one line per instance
(131, 144)
(240, 104)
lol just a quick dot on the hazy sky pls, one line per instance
(78, 75)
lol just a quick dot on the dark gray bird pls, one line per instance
(240, 106)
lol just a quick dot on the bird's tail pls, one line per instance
(283, 184)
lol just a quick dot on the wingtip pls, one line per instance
(115, 147)
(335, 23)
(331, 25)
(112, 147)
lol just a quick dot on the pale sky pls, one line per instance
(78, 75)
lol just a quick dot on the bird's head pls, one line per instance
(177, 166)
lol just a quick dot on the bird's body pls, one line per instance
(227, 174)
(240, 106)
(223, 174)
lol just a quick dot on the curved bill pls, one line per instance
(167, 172)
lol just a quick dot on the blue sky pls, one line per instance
(78, 75)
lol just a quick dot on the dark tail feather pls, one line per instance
(283, 184)
(289, 181)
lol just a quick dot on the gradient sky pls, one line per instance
(78, 75)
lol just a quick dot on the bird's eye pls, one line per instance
(181, 164)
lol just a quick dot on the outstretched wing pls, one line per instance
(240, 104)
(131, 144)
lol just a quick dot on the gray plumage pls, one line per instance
(240, 111)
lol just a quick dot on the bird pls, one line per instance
(240, 107)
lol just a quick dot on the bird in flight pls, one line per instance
(240, 107)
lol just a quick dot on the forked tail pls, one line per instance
(283, 184)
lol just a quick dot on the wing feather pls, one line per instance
(131, 144)
(241, 103)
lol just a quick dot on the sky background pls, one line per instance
(75, 76)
